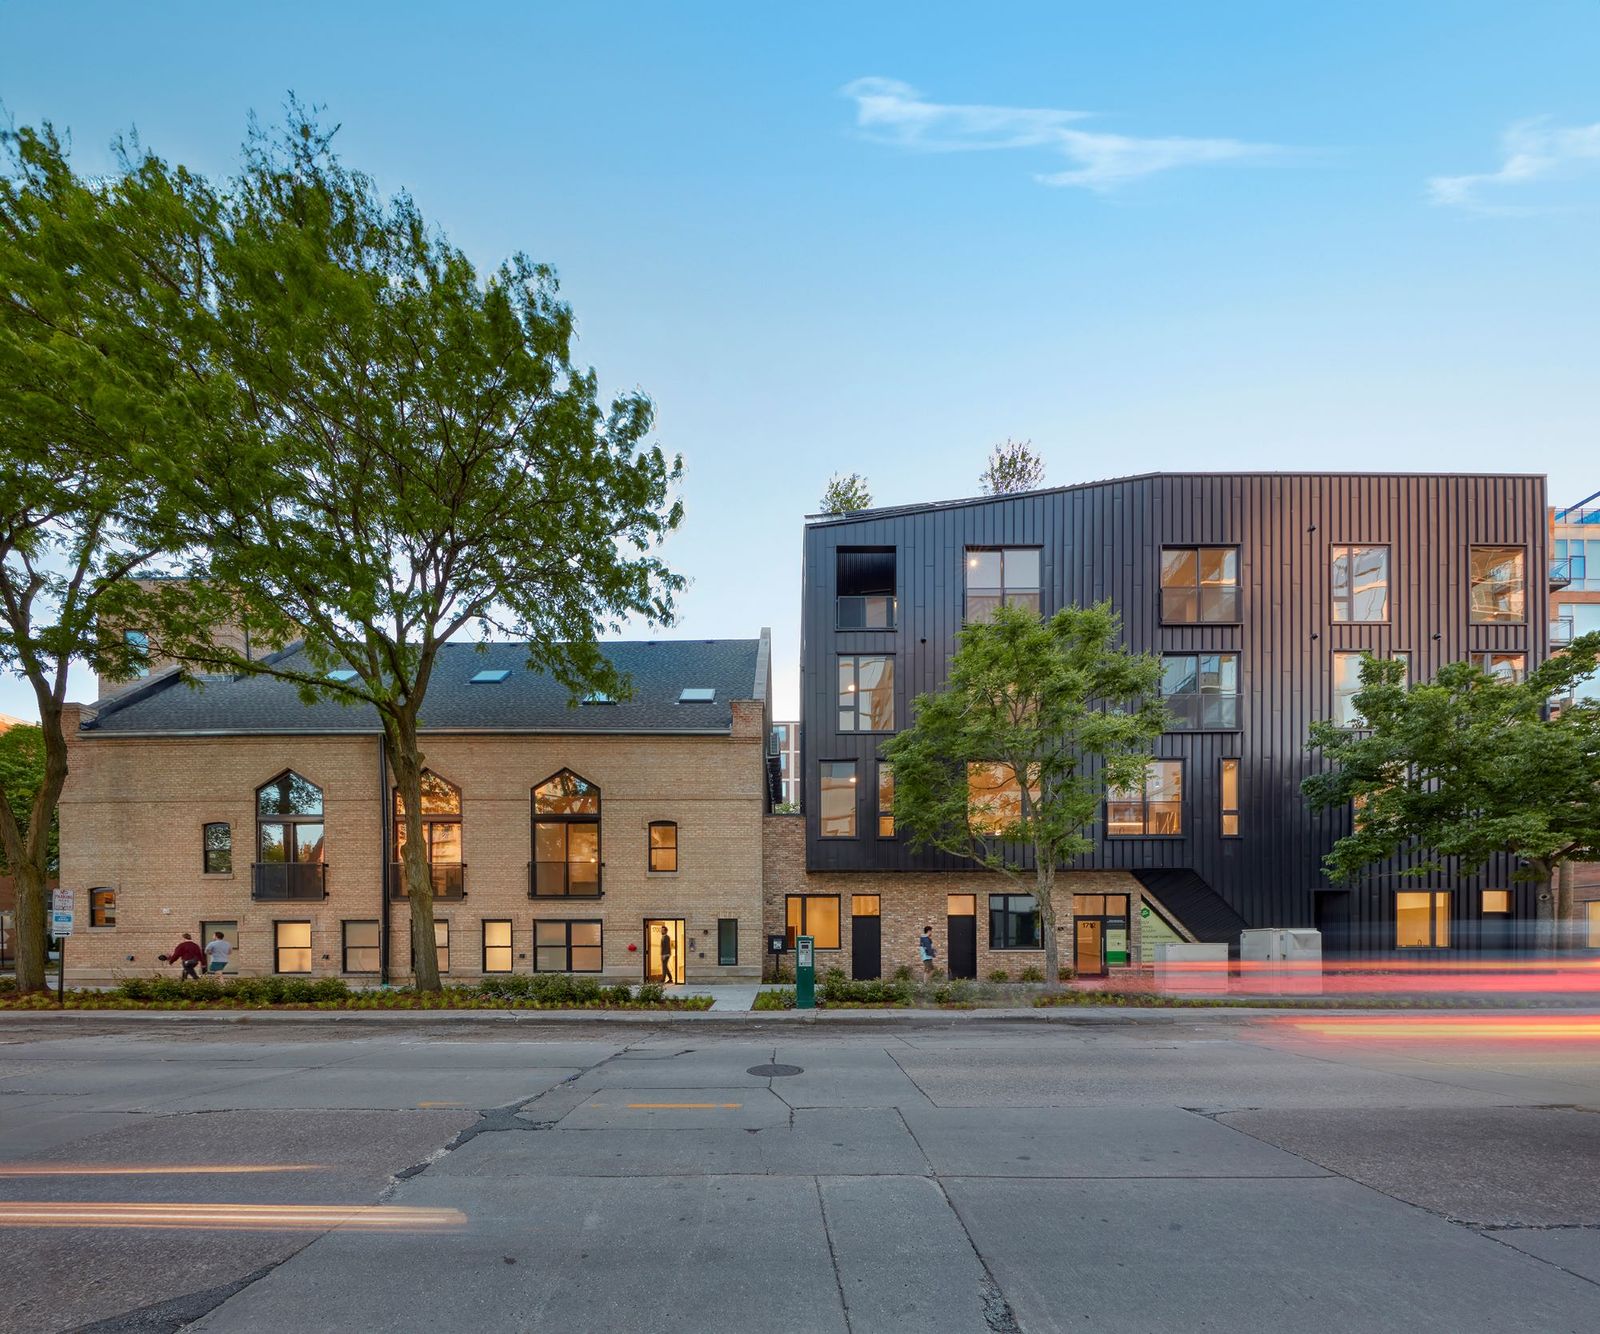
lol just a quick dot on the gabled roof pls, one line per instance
(525, 701)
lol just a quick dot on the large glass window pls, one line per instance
(885, 800)
(216, 848)
(663, 845)
(566, 837)
(866, 693)
(865, 578)
(102, 907)
(496, 946)
(1201, 690)
(1422, 920)
(1155, 808)
(441, 836)
(994, 797)
(1346, 684)
(289, 821)
(1499, 589)
(568, 947)
(838, 818)
(1360, 583)
(1014, 922)
(1229, 774)
(1199, 585)
(1001, 576)
(361, 952)
(291, 947)
(1502, 666)
(814, 915)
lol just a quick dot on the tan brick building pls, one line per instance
(563, 836)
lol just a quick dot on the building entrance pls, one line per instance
(663, 950)
(866, 937)
(961, 934)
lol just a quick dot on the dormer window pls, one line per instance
(598, 697)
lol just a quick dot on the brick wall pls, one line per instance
(909, 900)
(132, 813)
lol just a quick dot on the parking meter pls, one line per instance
(805, 974)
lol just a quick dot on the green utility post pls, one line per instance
(805, 974)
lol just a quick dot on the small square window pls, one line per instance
(697, 695)
(102, 907)
(1497, 900)
(489, 676)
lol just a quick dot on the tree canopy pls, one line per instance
(1012, 466)
(1007, 766)
(845, 493)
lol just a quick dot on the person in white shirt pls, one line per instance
(218, 951)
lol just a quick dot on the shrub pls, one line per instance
(780, 999)
(999, 975)
(838, 989)
(1032, 973)
(650, 993)
(1066, 973)
(902, 973)
(621, 994)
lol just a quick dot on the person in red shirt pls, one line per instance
(189, 955)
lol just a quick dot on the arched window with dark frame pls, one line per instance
(441, 835)
(663, 845)
(290, 839)
(566, 837)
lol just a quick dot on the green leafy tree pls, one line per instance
(1457, 770)
(412, 456)
(1012, 467)
(845, 493)
(22, 768)
(99, 393)
(1008, 764)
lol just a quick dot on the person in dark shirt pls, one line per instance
(189, 955)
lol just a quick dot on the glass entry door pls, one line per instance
(663, 950)
(1090, 961)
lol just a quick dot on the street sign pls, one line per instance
(60, 924)
(61, 901)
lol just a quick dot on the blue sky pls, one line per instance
(880, 238)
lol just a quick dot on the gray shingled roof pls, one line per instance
(525, 701)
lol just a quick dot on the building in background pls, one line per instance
(786, 750)
(1260, 592)
(1574, 611)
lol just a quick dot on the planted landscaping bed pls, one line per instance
(541, 992)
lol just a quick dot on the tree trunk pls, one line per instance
(405, 762)
(29, 855)
(31, 941)
(1565, 926)
(1044, 880)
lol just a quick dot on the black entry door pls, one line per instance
(1332, 917)
(961, 935)
(866, 937)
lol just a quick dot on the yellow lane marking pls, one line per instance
(209, 1217)
(113, 1170)
(441, 1104)
(686, 1106)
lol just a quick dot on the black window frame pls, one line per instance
(650, 848)
(862, 719)
(1007, 913)
(1472, 584)
(100, 898)
(1006, 589)
(1224, 810)
(1227, 700)
(345, 946)
(510, 947)
(885, 770)
(1434, 943)
(854, 786)
(1347, 599)
(802, 929)
(430, 820)
(727, 926)
(567, 820)
(292, 823)
(206, 850)
(1144, 804)
(1198, 586)
(310, 946)
(567, 923)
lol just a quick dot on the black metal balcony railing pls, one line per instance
(564, 880)
(449, 880)
(1561, 631)
(867, 611)
(288, 882)
(1560, 571)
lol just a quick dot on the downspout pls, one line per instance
(383, 864)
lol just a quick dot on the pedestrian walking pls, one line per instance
(925, 952)
(666, 955)
(218, 952)
(189, 955)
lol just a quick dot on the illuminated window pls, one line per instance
(1422, 920)
(866, 693)
(1230, 798)
(838, 816)
(1346, 685)
(216, 848)
(1360, 584)
(289, 829)
(568, 947)
(1497, 900)
(441, 945)
(1014, 922)
(814, 915)
(994, 797)
(1001, 577)
(497, 947)
(1591, 917)
(866, 905)
(566, 837)
(361, 952)
(885, 800)
(663, 845)
(102, 907)
(1201, 690)
(291, 947)
(1199, 585)
(1499, 590)
(727, 942)
(441, 837)
(1156, 808)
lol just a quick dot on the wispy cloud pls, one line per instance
(892, 112)
(1543, 166)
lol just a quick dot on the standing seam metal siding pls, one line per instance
(1103, 541)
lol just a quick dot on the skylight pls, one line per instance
(490, 676)
(598, 697)
(697, 695)
(342, 674)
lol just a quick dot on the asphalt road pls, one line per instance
(1139, 1171)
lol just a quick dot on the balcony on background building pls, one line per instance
(867, 611)
(1560, 572)
(449, 880)
(288, 882)
(1561, 632)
